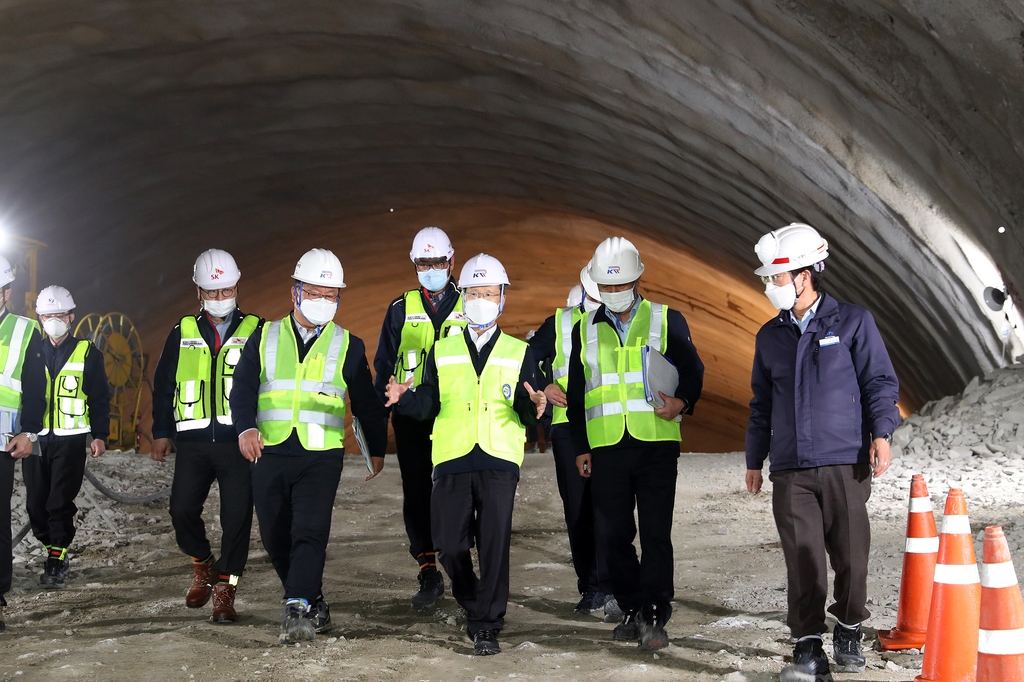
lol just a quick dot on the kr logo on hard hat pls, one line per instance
(613, 270)
(479, 273)
(326, 274)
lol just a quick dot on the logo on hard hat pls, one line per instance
(428, 248)
(613, 270)
(217, 272)
(479, 273)
(326, 274)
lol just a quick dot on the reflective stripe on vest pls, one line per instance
(419, 335)
(307, 397)
(15, 332)
(70, 402)
(565, 320)
(614, 392)
(478, 410)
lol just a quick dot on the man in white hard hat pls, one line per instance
(552, 345)
(191, 409)
(77, 405)
(413, 322)
(477, 387)
(823, 413)
(22, 406)
(627, 447)
(289, 408)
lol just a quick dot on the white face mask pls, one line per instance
(55, 327)
(318, 311)
(784, 297)
(590, 306)
(481, 312)
(619, 301)
(220, 308)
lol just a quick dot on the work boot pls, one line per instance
(846, 649)
(627, 630)
(3, 605)
(296, 623)
(56, 572)
(201, 590)
(651, 626)
(321, 614)
(485, 643)
(224, 604)
(592, 601)
(612, 612)
(810, 664)
(431, 589)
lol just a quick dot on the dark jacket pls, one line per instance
(33, 384)
(424, 403)
(820, 404)
(679, 349)
(366, 407)
(164, 384)
(543, 346)
(94, 382)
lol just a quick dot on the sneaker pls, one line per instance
(591, 602)
(651, 627)
(431, 589)
(56, 572)
(612, 611)
(627, 630)
(321, 614)
(296, 623)
(485, 643)
(846, 649)
(809, 663)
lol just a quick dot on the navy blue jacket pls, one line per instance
(819, 402)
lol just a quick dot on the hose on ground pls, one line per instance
(118, 497)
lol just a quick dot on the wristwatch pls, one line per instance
(887, 438)
(32, 437)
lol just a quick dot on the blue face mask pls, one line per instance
(433, 280)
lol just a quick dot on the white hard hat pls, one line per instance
(575, 296)
(215, 269)
(616, 261)
(6, 272)
(793, 247)
(431, 242)
(54, 299)
(483, 271)
(322, 267)
(589, 285)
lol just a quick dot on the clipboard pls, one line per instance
(357, 429)
(660, 376)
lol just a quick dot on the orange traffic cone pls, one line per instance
(918, 573)
(951, 645)
(1001, 639)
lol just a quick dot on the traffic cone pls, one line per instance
(951, 645)
(1001, 639)
(918, 573)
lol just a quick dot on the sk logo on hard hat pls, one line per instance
(613, 270)
(506, 391)
(428, 248)
(479, 273)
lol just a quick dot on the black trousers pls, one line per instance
(294, 496)
(823, 511)
(52, 482)
(6, 491)
(196, 467)
(644, 479)
(412, 441)
(588, 557)
(476, 504)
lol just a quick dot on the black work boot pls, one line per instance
(485, 643)
(846, 649)
(296, 623)
(56, 572)
(3, 605)
(651, 625)
(321, 614)
(627, 630)
(810, 664)
(591, 601)
(431, 589)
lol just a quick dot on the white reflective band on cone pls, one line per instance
(1001, 642)
(956, 524)
(922, 545)
(998, 575)
(957, 575)
(920, 504)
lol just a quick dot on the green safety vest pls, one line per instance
(478, 410)
(615, 397)
(307, 396)
(15, 332)
(565, 320)
(68, 401)
(419, 336)
(193, 396)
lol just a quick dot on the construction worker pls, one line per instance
(551, 346)
(477, 388)
(191, 408)
(77, 404)
(629, 448)
(413, 322)
(823, 413)
(289, 408)
(22, 406)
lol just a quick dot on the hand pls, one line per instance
(251, 444)
(880, 456)
(754, 480)
(395, 390)
(20, 446)
(161, 448)
(378, 466)
(584, 465)
(555, 395)
(671, 409)
(538, 398)
(98, 447)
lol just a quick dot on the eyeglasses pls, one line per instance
(217, 294)
(474, 295)
(315, 295)
(434, 265)
(66, 317)
(777, 280)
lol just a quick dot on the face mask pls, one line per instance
(481, 312)
(618, 301)
(55, 327)
(319, 311)
(590, 306)
(433, 280)
(784, 297)
(221, 308)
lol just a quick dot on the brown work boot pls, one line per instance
(224, 603)
(201, 589)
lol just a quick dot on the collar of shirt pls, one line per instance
(622, 328)
(480, 340)
(306, 334)
(808, 316)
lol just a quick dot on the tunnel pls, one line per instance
(134, 135)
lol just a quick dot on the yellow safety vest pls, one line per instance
(614, 397)
(565, 320)
(419, 335)
(477, 410)
(66, 397)
(307, 396)
(15, 332)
